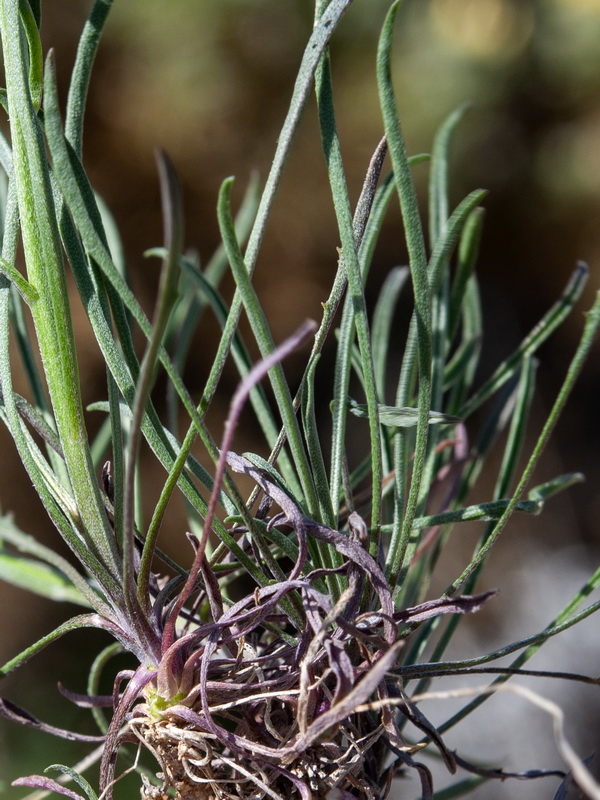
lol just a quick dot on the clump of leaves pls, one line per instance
(305, 685)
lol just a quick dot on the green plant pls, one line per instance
(306, 683)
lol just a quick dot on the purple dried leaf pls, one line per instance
(163, 597)
(356, 575)
(14, 713)
(238, 744)
(214, 635)
(303, 789)
(424, 774)
(291, 513)
(345, 707)
(86, 700)
(273, 593)
(138, 680)
(464, 604)
(122, 675)
(419, 720)
(313, 601)
(236, 614)
(362, 630)
(317, 574)
(340, 663)
(212, 588)
(342, 543)
(47, 784)
(367, 194)
(108, 483)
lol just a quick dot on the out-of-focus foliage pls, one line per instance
(211, 81)
(528, 65)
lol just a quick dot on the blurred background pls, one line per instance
(210, 81)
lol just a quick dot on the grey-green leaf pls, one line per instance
(39, 578)
(402, 416)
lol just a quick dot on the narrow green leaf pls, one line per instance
(357, 318)
(382, 324)
(471, 327)
(395, 417)
(38, 422)
(243, 362)
(494, 425)
(460, 362)
(320, 36)
(468, 251)
(58, 503)
(591, 326)
(450, 236)
(80, 77)
(491, 511)
(461, 788)
(549, 322)
(95, 676)
(546, 490)
(76, 777)
(167, 296)
(264, 339)
(28, 292)
(36, 9)
(518, 427)
(421, 289)
(81, 203)
(438, 182)
(315, 453)
(45, 272)
(28, 545)
(33, 576)
(75, 623)
(36, 58)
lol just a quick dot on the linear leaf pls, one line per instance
(396, 417)
(39, 578)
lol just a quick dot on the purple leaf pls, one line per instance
(419, 720)
(139, 679)
(343, 543)
(465, 604)
(86, 700)
(14, 713)
(359, 695)
(41, 782)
